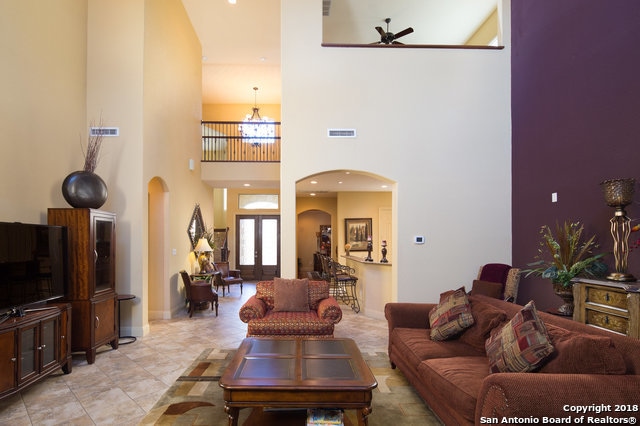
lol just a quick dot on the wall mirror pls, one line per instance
(468, 23)
(196, 226)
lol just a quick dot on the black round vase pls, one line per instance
(84, 190)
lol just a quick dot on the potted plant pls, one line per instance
(564, 255)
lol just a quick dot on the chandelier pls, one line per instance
(255, 129)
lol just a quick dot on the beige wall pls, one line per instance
(237, 112)
(42, 106)
(424, 118)
(135, 64)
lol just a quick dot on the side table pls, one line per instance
(129, 339)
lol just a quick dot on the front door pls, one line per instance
(258, 246)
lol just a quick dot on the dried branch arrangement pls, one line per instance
(92, 153)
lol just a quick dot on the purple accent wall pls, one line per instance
(575, 72)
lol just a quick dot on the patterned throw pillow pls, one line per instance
(522, 345)
(451, 316)
(290, 295)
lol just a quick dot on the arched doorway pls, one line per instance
(313, 236)
(159, 297)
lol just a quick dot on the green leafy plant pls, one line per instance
(564, 255)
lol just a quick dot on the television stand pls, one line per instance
(34, 345)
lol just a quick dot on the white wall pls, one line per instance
(435, 121)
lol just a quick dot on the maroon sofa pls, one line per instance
(453, 376)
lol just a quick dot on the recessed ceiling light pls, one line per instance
(246, 184)
(232, 1)
(383, 186)
(347, 173)
(313, 194)
(313, 182)
(339, 182)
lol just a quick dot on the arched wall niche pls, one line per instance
(158, 289)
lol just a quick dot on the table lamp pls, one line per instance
(201, 248)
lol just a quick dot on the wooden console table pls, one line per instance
(614, 306)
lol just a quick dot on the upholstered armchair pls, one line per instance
(227, 276)
(198, 292)
(291, 308)
(499, 281)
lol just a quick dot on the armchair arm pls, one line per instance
(329, 309)
(235, 273)
(253, 308)
(407, 315)
(538, 395)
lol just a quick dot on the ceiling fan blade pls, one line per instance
(396, 42)
(381, 31)
(404, 32)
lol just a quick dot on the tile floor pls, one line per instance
(124, 384)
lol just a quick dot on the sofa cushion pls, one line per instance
(415, 345)
(291, 295)
(487, 288)
(521, 345)
(580, 353)
(486, 318)
(290, 324)
(318, 290)
(451, 316)
(457, 380)
(264, 292)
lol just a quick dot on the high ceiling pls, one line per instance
(241, 42)
(241, 50)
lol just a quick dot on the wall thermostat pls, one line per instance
(418, 239)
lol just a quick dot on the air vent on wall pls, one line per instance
(326, 5)
(341, 133)
(105, 131)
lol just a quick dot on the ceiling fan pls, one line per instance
(387, 37)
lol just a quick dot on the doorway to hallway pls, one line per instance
(258, 246)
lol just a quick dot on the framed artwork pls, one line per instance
(356, 232)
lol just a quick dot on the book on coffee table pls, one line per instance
(324, 417)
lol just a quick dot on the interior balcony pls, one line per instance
(241, 153)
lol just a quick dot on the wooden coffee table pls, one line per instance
(298, 373)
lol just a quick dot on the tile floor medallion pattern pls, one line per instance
(123, 386)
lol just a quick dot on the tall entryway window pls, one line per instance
(258, 246)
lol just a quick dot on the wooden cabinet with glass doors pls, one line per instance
(34, 346)
(91, 292)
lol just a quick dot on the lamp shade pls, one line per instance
(618, 192)
(202, 246)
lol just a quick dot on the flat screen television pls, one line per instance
(33, 265)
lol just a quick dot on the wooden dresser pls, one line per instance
(611, 305)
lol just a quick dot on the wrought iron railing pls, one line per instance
(239, 141)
